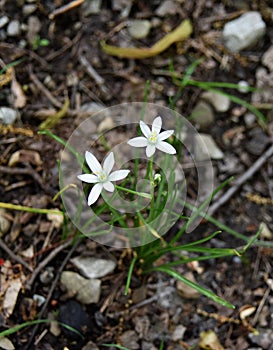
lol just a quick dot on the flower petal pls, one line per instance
(166, 147)
(118, 175)
(108, 186)
(157, 124)
(150, 150)
(145, 129)
(109, 163)
(164, 135)
(92, 162)
(94, 194)
(91, 179)
(138, 142)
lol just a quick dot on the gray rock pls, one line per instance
(29, 9)
(14, 28)
(244, 32)
(249, 119)
(243, 86)
(91, 7)
(139, 28)
(263, 339)
(258, 143)
(203, 115)
(129, 339)
(34, 27)
(92, 107)
(86, 291)
(178, 332)
(93, 267)
(221, 103)
(167, 7)
(3, 21)
(7, 115)
(90, 346)
(206, 148)
(267, 58)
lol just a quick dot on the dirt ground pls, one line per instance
(71, 66)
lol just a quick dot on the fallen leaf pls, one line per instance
(246, 311)
(6, 344)
(209, 341)
(25, 156)
(182, 32)
(10, 297)
(19, 95)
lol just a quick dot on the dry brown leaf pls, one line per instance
(25, 156)
(19, 95)
(182, 32)
(209, 341)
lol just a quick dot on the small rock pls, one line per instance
(14, 28)
(47, 275)
(249, 119)
(93, 267)
(267, 58)
(264, 83)
(86, 291)
(72, 314)
(206, 148)
(263, 339)
(167, 7)
(243, 86)
(139, 28)
(178, 332)
(129, 339)
(7, 115)
(91, 7)
(221, 103)
(203, 115)
(244, 32)
(39, 298)
(3, 21)
(90, 346)
(92, 107)
(186, 291)
(29, 9)
(54, 328)
(258, 143)
(166, 297)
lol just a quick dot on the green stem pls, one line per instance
(150, 167)
(141, 194)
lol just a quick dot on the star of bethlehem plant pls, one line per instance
(146, 257)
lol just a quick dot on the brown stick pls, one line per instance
(14, 256)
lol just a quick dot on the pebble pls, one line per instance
(91, 7)
(13, 28)
(47, 275)
(86, 291)
(202, 114)
(220, 102)
(90, 346)
(7, 115)
(243, 86)
(186, 291)
(3, 21)
(263, 339)
(267, 58)
(34, 26)
(29, 9)
(139, 28)
(167, 7)
(93, 267)
(244, 32)
(72, 314)
(258, 142)
(129, 339)
(178, 332)
(249, 119)
(206, 148)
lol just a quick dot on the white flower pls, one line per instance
(101, 175)
(153, 139)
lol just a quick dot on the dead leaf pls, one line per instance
(6, 344)
(19, 95)
(25, 156)
(246, 311)
(11, 295)
(209, 341)
(182, 32)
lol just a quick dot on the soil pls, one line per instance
(155, 314)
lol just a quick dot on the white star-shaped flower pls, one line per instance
(153, 138)
(101, 175)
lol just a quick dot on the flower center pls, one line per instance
(101, 176)
(153, 137)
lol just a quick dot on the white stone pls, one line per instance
(244, 32)
(3, 21)
(13, 28)
(7, 115)
(91, 7)
(243, 86)
(220, 102)
(139, 28)
(86, 291)
(206, 148)
(267, 58)
(93, 267)
(29, 9)
(202, 115)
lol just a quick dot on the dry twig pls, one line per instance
(14, 256)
